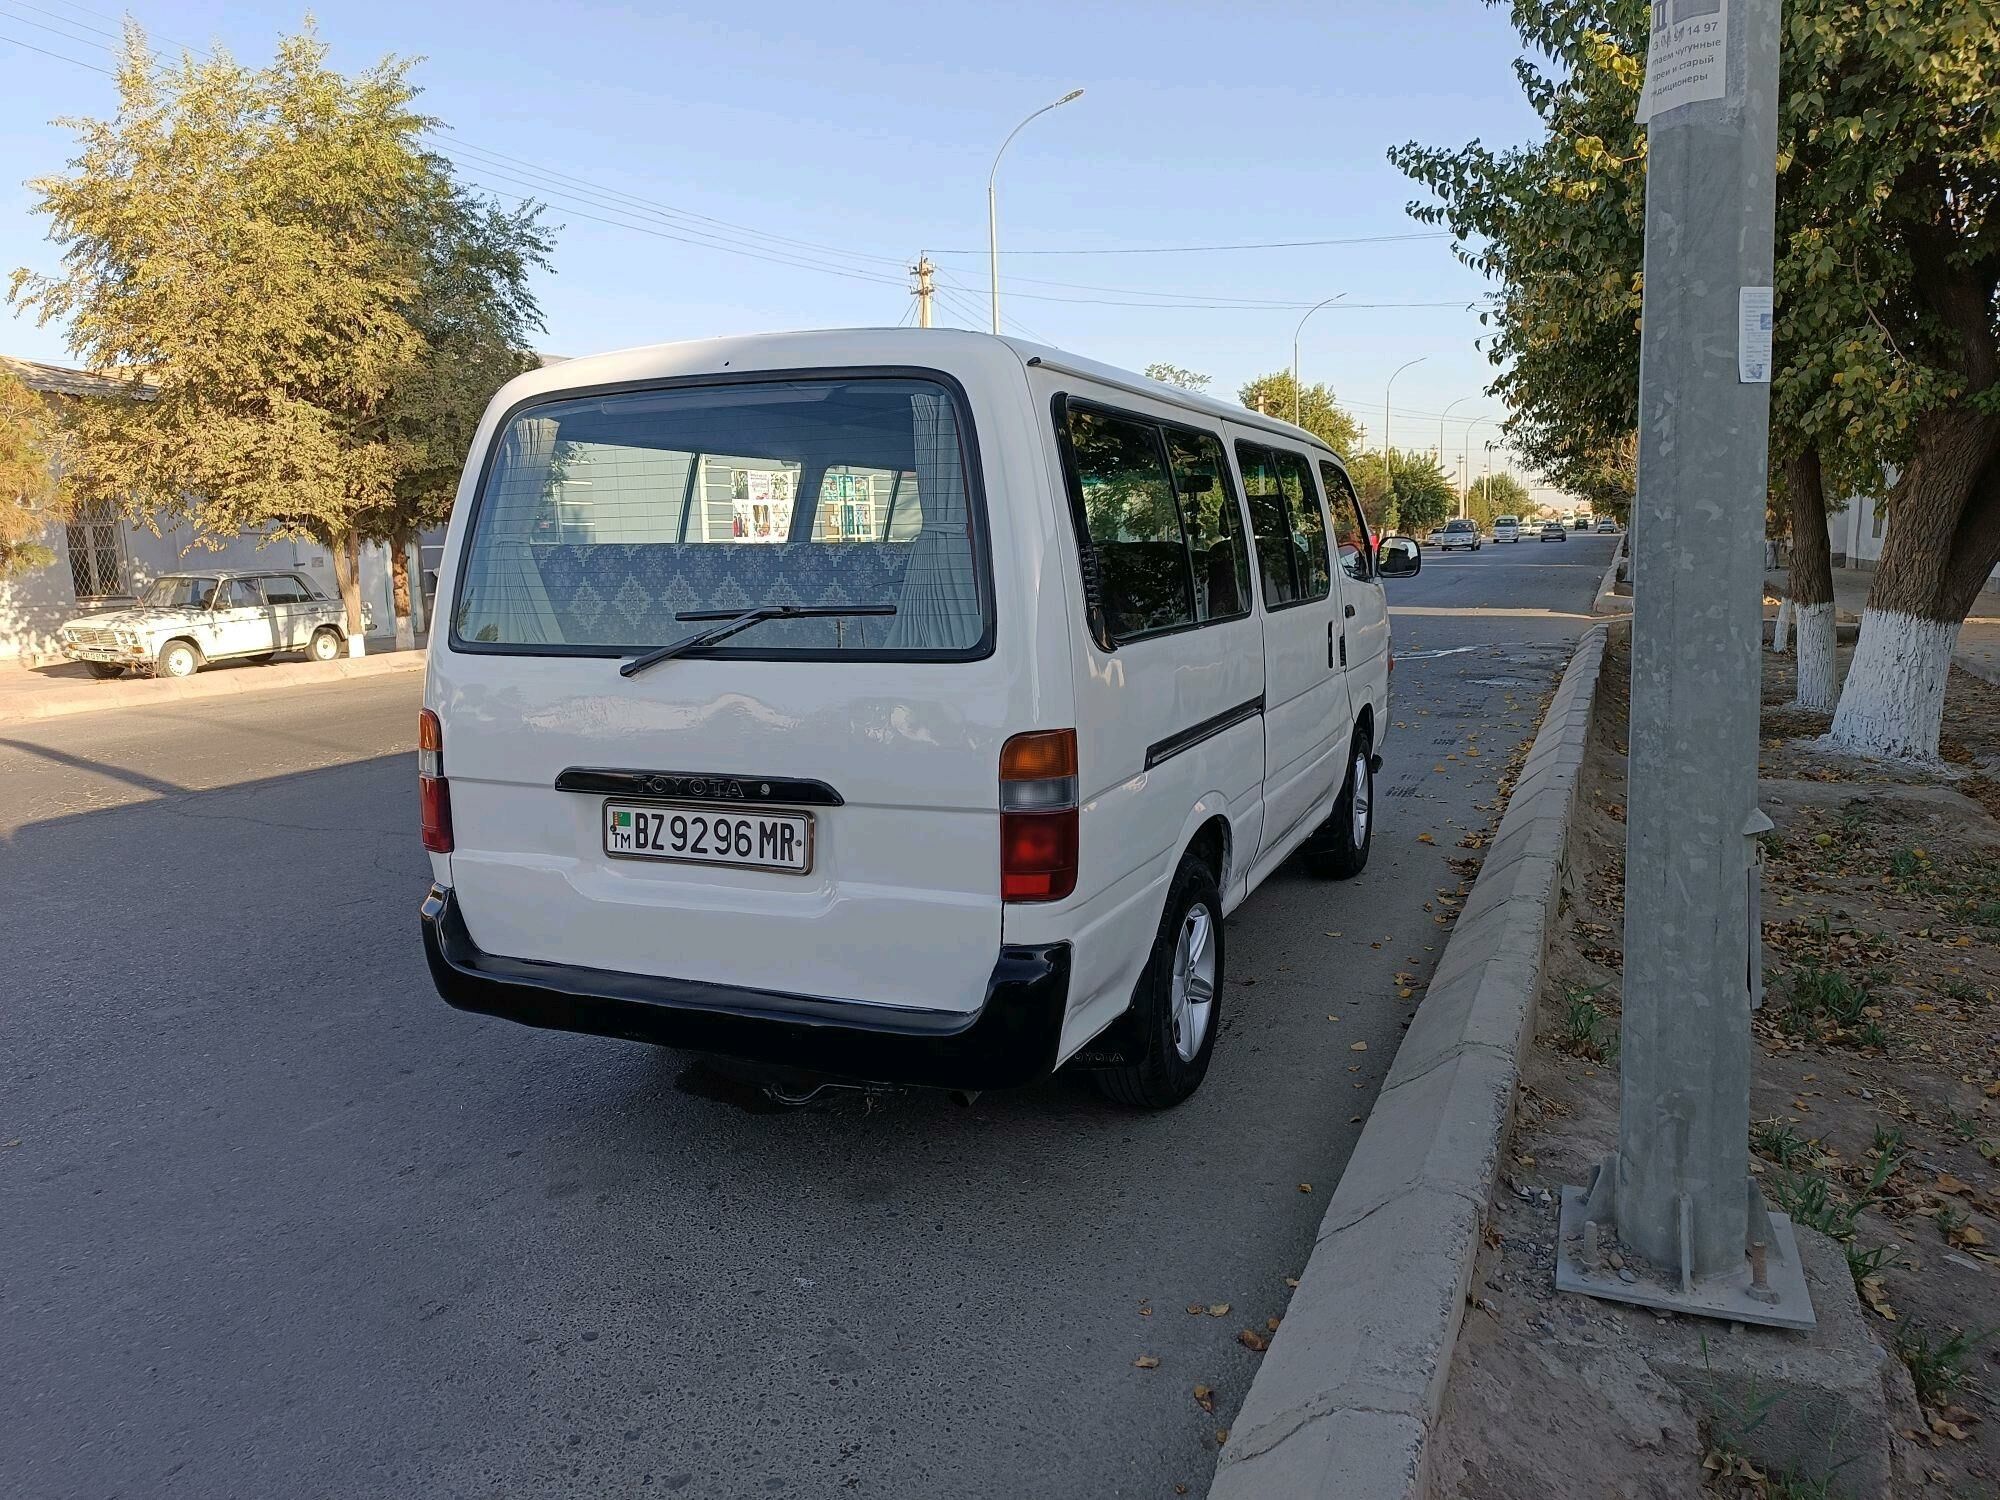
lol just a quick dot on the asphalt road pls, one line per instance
(280, 1223)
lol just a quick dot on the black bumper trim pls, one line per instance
(1010, 1040)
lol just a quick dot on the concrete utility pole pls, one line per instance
(993, 201)
(1678, 1195)
(923, 270)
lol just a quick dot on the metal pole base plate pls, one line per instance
(1782, 1303)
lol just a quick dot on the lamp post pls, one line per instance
(1441, 416)
(1295, 351)
(1385, 404)
(1465, 458)
(993, 202)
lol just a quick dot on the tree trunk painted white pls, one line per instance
(420, 604)
(1815, 654)
(1893, 702)
(1781, 628)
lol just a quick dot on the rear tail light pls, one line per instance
(1038, 816)
(433, 791)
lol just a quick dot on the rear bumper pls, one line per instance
(1010, 1040)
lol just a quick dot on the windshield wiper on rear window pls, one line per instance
(733, 620)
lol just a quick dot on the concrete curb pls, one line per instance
(1346, 1398)
(1607, 602)
(61, 699)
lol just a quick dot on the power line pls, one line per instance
(1363, 239)
(59, 57)
(685, 240)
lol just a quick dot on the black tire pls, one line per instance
(178, 659)
(1162, 1077)
(105, 669)
(325, 645)
(1339, 849)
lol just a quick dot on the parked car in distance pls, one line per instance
(1461, 532)
(1607, 527)
(1435, 537)
(183, 620)
(1506, 528)
(792, 748)
(1552, 531)
(1581, 523)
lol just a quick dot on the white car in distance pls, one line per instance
(184, 620)
(1460, 532)
(1506, 528)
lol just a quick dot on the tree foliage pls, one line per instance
(1495, 495)
(1319, 412)
(319, 309)
(29, 492)
(1166, 374)
(1409, 493)
(1888, 259)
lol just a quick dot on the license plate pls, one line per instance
(709, 836)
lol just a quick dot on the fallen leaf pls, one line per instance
(1205, 1399)
(1357, 1047)
(1305, 1187)
(1425, 838)
(1221, 1436)
(1404, 993)
(1272, 1323)
(1218, 1310)
(1196, 1308)
(1292, 1282)
(1946, 1183)
(1147, 1362)
(1252, 1340)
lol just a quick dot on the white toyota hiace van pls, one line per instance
(900, 705)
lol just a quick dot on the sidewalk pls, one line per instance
(1978, 641)
(58, 691)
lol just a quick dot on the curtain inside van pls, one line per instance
(501, 576)
(940, 589)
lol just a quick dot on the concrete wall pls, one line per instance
(34, 605)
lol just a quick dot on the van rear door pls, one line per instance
(809, 806)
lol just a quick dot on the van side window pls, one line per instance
(1127, 505)
(1350, 528)
(1308, 525)
(1213, 523)
(1276, 564)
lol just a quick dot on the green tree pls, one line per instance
(1888, 327)
(1409, 494)
(30, 497)
(271, 250)
(1168, 374)
(1319, 413)
(475, 313)
(1495, 495)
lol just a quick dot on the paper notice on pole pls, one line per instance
(1753, 335)
(1687, 59)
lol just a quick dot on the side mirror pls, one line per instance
(1399, 557)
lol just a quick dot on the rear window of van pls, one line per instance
(604, 521)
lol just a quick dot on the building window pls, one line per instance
(97, 551)
(1875, 521)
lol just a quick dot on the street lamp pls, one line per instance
(1441, 416)
(1465, 459)
(1385, 405)
(1388, 453)
(992, 201)
(1295, 351)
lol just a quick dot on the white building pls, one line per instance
(1855, 535)
(101, 558)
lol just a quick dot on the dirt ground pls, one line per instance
(1876, 1121)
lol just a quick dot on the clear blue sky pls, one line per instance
(868, 128)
